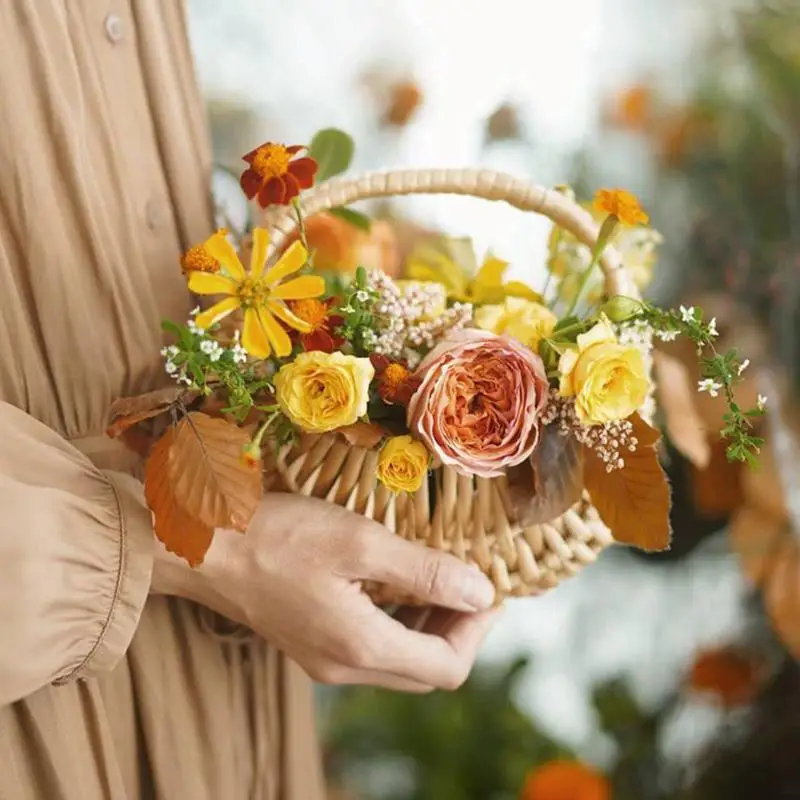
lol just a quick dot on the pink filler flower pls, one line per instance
(479, 403)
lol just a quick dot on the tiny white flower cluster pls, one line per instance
(213, 349)
(689, 314)
(412, 317)
(637, 333)
(709, 385)
(171, 368)
(666, 336)
(609, 441)
(239, 353)
(640, 334)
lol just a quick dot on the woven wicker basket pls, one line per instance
(469, 517)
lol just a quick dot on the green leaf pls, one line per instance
(567, 322)
(171, 327)
(332, 149)
(549, 355)
(355, 218)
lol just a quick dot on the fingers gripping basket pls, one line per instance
(469, 517)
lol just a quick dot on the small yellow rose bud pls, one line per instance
(620, 308)
(402, 464)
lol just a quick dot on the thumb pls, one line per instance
(430, 575)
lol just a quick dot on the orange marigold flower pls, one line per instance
(729, 674)
(622, 205)
(322, 334)
(396, 384)
(274, 176)
(565, 780)
(198, 259)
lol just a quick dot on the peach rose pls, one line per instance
(479, 402)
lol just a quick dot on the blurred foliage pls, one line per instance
(739, 157)
(757, 759)
(476, 744)
(473, 744)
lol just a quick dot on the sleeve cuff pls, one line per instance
(129, 585)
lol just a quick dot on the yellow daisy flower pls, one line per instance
(261, 295)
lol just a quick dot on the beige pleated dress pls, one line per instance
(106, 693)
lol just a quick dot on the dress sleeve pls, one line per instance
(76, 556)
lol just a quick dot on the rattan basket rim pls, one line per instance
(486, 184)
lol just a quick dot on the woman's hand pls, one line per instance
(295, 579)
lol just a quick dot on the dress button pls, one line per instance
(153, 214)
(113, 26)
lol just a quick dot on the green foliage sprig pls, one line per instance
(721, 372)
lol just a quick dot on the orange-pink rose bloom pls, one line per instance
(479, 402)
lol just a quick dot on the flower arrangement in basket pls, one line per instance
(463, 411)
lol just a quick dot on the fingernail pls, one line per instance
(478, 591)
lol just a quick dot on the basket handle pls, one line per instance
(483, 183)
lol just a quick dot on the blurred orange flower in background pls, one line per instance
(339, 246)
(566, 780)
(403, 101)
(631, 108)
(730, 675)
(681, 133)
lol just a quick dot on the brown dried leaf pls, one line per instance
(782, 595)
(717, 490)
(676, 398)
(756, 536)
(363, 434)
(138, 441)
(550, 482)
(210, 478)
(763, 487)
(633, 501)
(128, 411)
(181, 533)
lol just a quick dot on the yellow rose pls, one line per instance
(402, 464)
(323, 391)
(526, 321)
(608, 380)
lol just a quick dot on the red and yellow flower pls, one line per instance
(261, 293)
(274, 176)
(322, 324)
(396, 384)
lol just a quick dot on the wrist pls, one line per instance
(213, 584)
